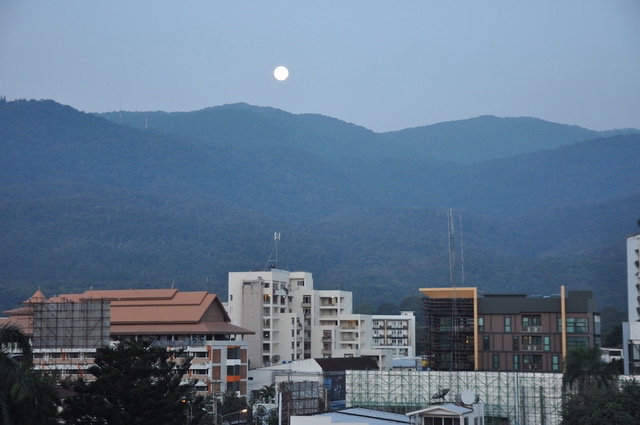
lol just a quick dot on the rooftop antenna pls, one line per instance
(273, 264)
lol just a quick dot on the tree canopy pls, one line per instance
(27, 396)
(135, 384)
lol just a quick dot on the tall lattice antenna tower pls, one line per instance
(272, 262)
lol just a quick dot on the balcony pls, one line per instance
(532, 329)
(532, 347)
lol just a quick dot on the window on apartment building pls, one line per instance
(267, 284)
(486, 342)
(481, 324)
(532, 342)
(233, 353)
(266, 311)
(266, 335)
(266, 298)
(547, 343)
(516, 343)
(577, 341)
(529, 320)
(578, 325)
(516, 362)
(265, 347)
(532, 361)
(555, 363)
(233, 386)
(507, 324)
(496, 361)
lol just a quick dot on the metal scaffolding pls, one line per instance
(509, 397)
(301, 398)
(69, 324)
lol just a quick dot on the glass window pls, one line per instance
(547, 343)
(507, 324)
(516, 361)
(529, 320)
(481, 324)
(555, 363)
(486, 343)
(577, 325)
(516, 343)
(577, 341)
(496, 361)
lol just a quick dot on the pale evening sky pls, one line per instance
(385, 65)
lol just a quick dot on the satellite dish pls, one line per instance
(467, 397)
(441, 393)
(275, 358)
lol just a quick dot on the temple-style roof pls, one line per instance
(149, 311)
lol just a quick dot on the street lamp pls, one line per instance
(238, 413)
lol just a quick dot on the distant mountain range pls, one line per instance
(153, 199)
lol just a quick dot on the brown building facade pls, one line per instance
(506, 332)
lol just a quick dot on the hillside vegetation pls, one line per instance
(152, 199)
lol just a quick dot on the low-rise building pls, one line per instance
(506, 331)
(65, 331)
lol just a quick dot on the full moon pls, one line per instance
(281, 73)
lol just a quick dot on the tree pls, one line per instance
(27, 396)
(267, 394)
(585, 369)
(603, 405)
(591, 394)
(135, 384)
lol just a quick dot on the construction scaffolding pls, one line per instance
(509, 397)
(301, 398)
(69, 324)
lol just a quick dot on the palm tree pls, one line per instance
(584, 369)
(26, 395)
(15, 359)
(267, 393)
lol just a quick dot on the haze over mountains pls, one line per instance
(154, 199)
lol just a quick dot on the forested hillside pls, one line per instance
(87, 201)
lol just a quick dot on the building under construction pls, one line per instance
(301, 399)
(450, 332)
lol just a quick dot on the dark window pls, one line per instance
(507, 324)
(486, 343)
(577, 341)
(531, 320)
(233, 353)
(496, 361)
(516, 361)
(516, 343)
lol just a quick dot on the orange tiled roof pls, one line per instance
(152, 311)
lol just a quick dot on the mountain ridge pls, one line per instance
(91, 202)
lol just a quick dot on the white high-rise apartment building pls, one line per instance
(631, 329)
(292, 321)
